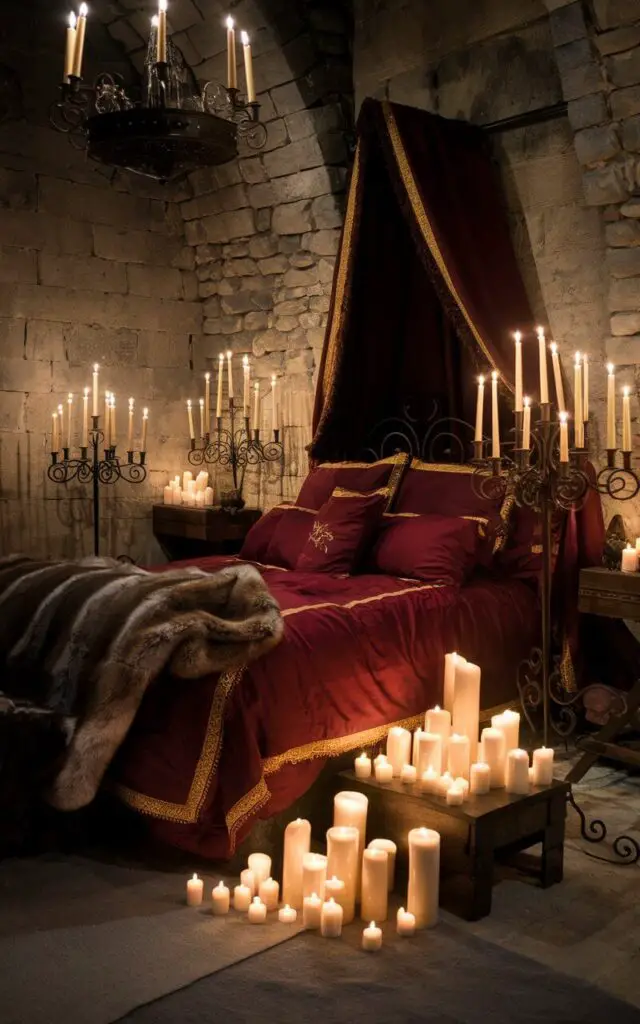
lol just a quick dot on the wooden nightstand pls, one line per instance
(193, 532)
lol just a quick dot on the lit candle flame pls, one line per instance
(517, 336)
(131, 402)
(86, 392)
(84, 10)
(229, 22)
(73, 21)
(577, 359)
(610, 368)
(526, 400)
(563, 416)
(480, 379)
(494, 375)
(245, 38)
(553, 347)
(162, 6)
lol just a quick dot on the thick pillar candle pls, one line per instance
(248, 878)
(543, 766)
(564, 438)
(391, 850)
(450, 662)
(342, 862)
(416, 746)
(557, 376)
(242, 897)
(81, 29)
(297, 841)
(220, 899)
(465, 719)
(479, 410)
(362, 766)
(429, 752)
(542, 354)
(70, 48)
(398, 748)
(611, 406)
(626, 420)
(219, 395)
(509, 723)
(517, 772)
(269, 892)
(374, 885)
(195, 889)
(248, 68)
(331, 917)
(495, 419)
(260, 864)
(424, 876)
(232, 78)
(517, 337)
(493, 751)
(479, 778)
(577, 403)
(350, 808)
(438, 720)
(526, 424)
(459, 756)
(314, 873)
(312, 911)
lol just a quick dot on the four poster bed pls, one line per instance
(384, 564)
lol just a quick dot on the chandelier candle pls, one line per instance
(542, 353)
(245, 396)
(130, 431)
(564, 438)
(195, 889)
(424, 876)
(479, 410)
(96, 392)
(71, 47)
(207, 403)
(626, 421)
(398, 748)
(112, 404)
(585, 389)
(493, 751)
(192, 433)
(230, 373)
(202, 416)
(256, 407)
(145, 421)
(465, 719)
(391, 850)
(274, 404)
(232, 77)
(362, 766)
(611, 407)
(162, 32)
(517, 337)
(85, 419)
(81, 29)
(557, 376)
(342, 863)
(374, 885)
(55, 433)
(248, 68)
(297, 842)
(220, 899)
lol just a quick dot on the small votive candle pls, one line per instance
(331, 920)
(287, 915)
(260, 864)
(195, 890)
(372, 938)
(517, 772)
(334, 888)
(383, 771)
(242, 898)
(362, 766)
(312, 911)
(479, 779)
(444, 784)
(543, 766)
(269, 893)
(405, 922)
(463, 785)
(430, 781)
(257, 912)
(455, 796)
(629, 559)
(248, 878)
(409, 774)
(220, 899)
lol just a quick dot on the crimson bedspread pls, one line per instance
(359, 654)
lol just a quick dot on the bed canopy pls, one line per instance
(427, 291)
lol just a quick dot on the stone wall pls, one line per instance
(93, 267)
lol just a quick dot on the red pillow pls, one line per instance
(355, 476)
(290, 536)
(256, 543)
(428, 547)
(430, 488)
(341, 530)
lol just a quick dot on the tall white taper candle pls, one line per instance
(479, 409)
(542, 352)
(611, 406)
(557, 375)
(495, 421)
(518, 345)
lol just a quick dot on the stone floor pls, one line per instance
(589, 926)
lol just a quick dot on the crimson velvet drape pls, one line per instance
(427, 293)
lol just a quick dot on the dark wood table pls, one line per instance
(473, 835)
(192, 532)
(614, 595)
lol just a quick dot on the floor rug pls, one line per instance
(441, 976)
(84, 941)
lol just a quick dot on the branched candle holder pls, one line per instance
(92, 468)
(235, 448)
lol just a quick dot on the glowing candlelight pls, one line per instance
(230, 372)
(69, 419)
(232, 78)
(479, 409)
(112, 427)
(626, 420)
(96, 372)
(161, 49)
(219, 398)
(526, 423)
(248, 68)
(55, 439)
(207, 402)
(78, 51)
(495, 423)
(192, 433)
(130, 432)
(274, 407)
(542, 352)
(202, 417)
(145, 420)
(85, 418)
(611, 407)
(557, 376)
(71, 46)
(517, 337)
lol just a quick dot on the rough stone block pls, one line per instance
(269, 341)
(44, 340)
(613, 13)
(618, 40)
(286, 323)
(27, 230)
(257, 321)
(624, 68)
(262, 246)
(252, 170)
(624, 262)
(292, 218)
(239, 268)
(573, 55)
(226, 226)
(184, 259)
(123, 32)
(631, 209)
(297, 156)
(568, 23)
(317, 121)
(276, 135)
(274, 265)
(89, 343)
(82, 272)
(302, 260)
(320, 303)
(189, 285)
(160, 348)
(234, 197)
(291, 307)
(325, 270)
(12, 415)
(211, 308)
(263, 219)
(99, 205)
(235, 251)
(624, 351)
(240, 302)
(322, 243)
(18, 266)
(295, 278)
(587, 111)
(13, 338)
(18, 190)
(597, 145)
(624, 295)
(289, 98)
(308, 184)
(605, 185)
(623, 233)
(201, 206)
(327, 211)
(582, 81)
(261, 195)
(631, 134)
(25, 375)
(194, 232)
(623, 324)
(160, 281)
(625, 102)
(133, 246)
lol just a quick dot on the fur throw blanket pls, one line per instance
(83, 640)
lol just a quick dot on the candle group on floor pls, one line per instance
(193, 493)
(448, 758)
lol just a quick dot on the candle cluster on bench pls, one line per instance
(329, 889)
(193, 493)
(448, 758)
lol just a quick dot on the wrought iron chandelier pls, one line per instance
(169, 126)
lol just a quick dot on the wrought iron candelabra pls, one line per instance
(97, 465)
(235, 448)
